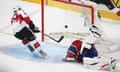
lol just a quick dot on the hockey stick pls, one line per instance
(60, 39)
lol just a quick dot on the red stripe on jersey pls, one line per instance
(20, 18)
(37, 44)
(25, 41)
(17, 18)
(27, 19)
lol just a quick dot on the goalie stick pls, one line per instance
(59, 40)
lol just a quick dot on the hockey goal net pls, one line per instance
(63, 18)
(71, 20)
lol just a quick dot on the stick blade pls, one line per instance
(61, 38)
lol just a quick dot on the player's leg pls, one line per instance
(33, 42)
(31, 24)
(29, 40)
(21, 35)
(26, 42)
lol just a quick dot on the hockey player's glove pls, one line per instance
(36, 30)
(33, 27)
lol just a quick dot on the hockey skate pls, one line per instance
(43, 54)
(110, 66)
(30, 48)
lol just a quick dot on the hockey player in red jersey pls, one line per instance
(24, 29)
(18, 11)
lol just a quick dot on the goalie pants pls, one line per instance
(90, 53)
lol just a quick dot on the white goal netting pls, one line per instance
(73, 25)
(68, 22)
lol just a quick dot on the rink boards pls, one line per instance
(103, 13)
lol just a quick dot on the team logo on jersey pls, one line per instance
(117, 3)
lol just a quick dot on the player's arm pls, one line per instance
(27, 19)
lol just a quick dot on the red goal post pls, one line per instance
(42, 19)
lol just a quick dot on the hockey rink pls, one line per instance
(15, 57)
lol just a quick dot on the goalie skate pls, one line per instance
(113, 64)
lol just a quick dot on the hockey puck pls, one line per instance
(66, 26)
